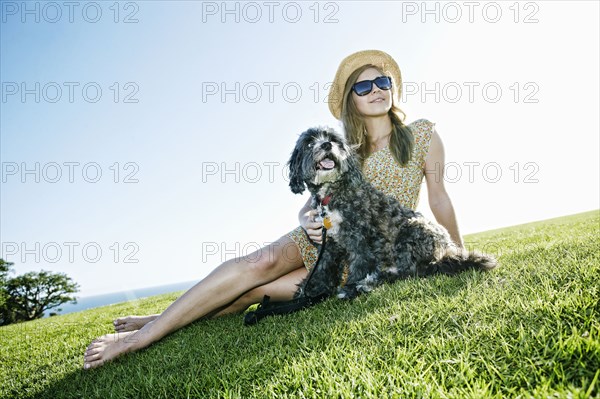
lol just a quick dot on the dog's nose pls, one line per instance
(326, 146)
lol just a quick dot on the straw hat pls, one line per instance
(350, 64)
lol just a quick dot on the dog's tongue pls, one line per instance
(327, 163)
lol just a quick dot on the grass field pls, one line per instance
(528, 329)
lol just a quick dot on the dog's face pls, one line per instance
(321, 156)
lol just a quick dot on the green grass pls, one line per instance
(528, 329)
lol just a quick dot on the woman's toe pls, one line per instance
(91, 357)
(92, 364)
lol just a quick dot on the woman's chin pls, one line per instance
(376, 112)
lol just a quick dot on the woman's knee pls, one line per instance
(275, 259)
(263, 262)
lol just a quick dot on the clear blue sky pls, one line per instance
(189, 111)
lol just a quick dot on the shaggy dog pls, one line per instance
(368, 233)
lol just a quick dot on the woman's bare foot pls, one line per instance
(108, 347)
(132, 323)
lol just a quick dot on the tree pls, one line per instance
(4, 271)
(31, 294)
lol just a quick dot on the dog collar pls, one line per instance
(325, 200)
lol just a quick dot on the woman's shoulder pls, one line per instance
(422, 125)
(422, 130)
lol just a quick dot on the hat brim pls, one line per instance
(350, 64)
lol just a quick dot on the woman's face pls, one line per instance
(378, 102)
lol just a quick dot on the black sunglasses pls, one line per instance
(364, 87)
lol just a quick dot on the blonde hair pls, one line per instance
(401, 139)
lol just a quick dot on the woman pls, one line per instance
(364, 96)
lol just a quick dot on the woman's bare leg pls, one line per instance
(220, 288)
(282, 289)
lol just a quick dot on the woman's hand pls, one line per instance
(313, 229)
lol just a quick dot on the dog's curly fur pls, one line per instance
(378, 239)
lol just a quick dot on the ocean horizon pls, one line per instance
(95, 301)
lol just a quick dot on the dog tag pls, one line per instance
(327, 222)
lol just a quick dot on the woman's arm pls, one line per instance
(439, 201)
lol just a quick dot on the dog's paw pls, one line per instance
(368, 283)
(347, 292)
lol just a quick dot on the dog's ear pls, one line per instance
(353, 167)
(295, 167)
